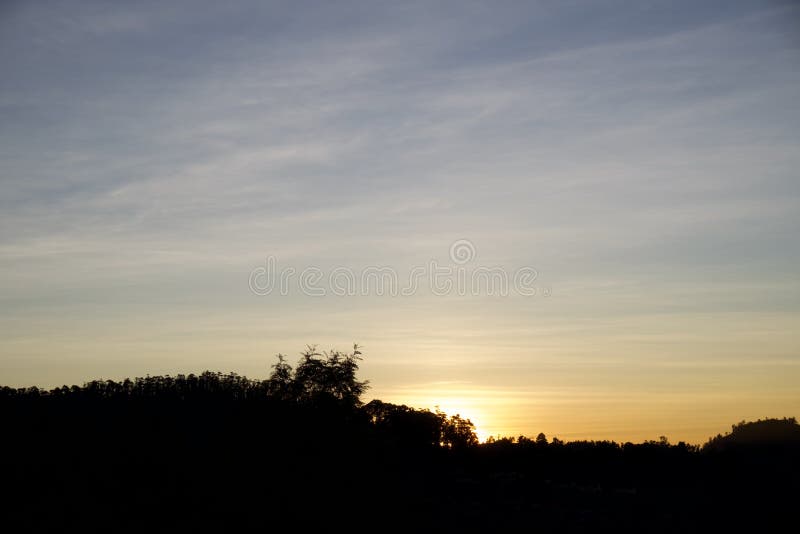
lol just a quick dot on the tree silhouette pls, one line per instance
(458, 433)
(220, 450)
(319, 377)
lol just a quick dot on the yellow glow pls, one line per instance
(591, 413)
(451, 399)
(467, 410)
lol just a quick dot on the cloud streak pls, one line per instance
(643, 159)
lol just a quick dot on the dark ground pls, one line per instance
(167, 457)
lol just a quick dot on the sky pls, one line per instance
(638, 160)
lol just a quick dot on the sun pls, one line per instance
(466, 410)
(452, 398)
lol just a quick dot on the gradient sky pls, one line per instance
(642, 156)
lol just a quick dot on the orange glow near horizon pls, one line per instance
(578, 415)
(466, 409)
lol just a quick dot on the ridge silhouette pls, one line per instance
(301, 450)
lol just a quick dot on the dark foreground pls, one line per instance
(220, 452)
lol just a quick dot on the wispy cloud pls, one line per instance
(642, 158)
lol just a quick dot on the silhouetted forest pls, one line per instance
(299, 449)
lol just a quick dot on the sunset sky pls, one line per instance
(640, 157)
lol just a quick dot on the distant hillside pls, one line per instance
(767, 432)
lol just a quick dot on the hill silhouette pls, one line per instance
(300, 450)
(769, 433)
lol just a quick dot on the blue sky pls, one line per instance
(641, 156)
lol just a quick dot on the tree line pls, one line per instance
(301, 449)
